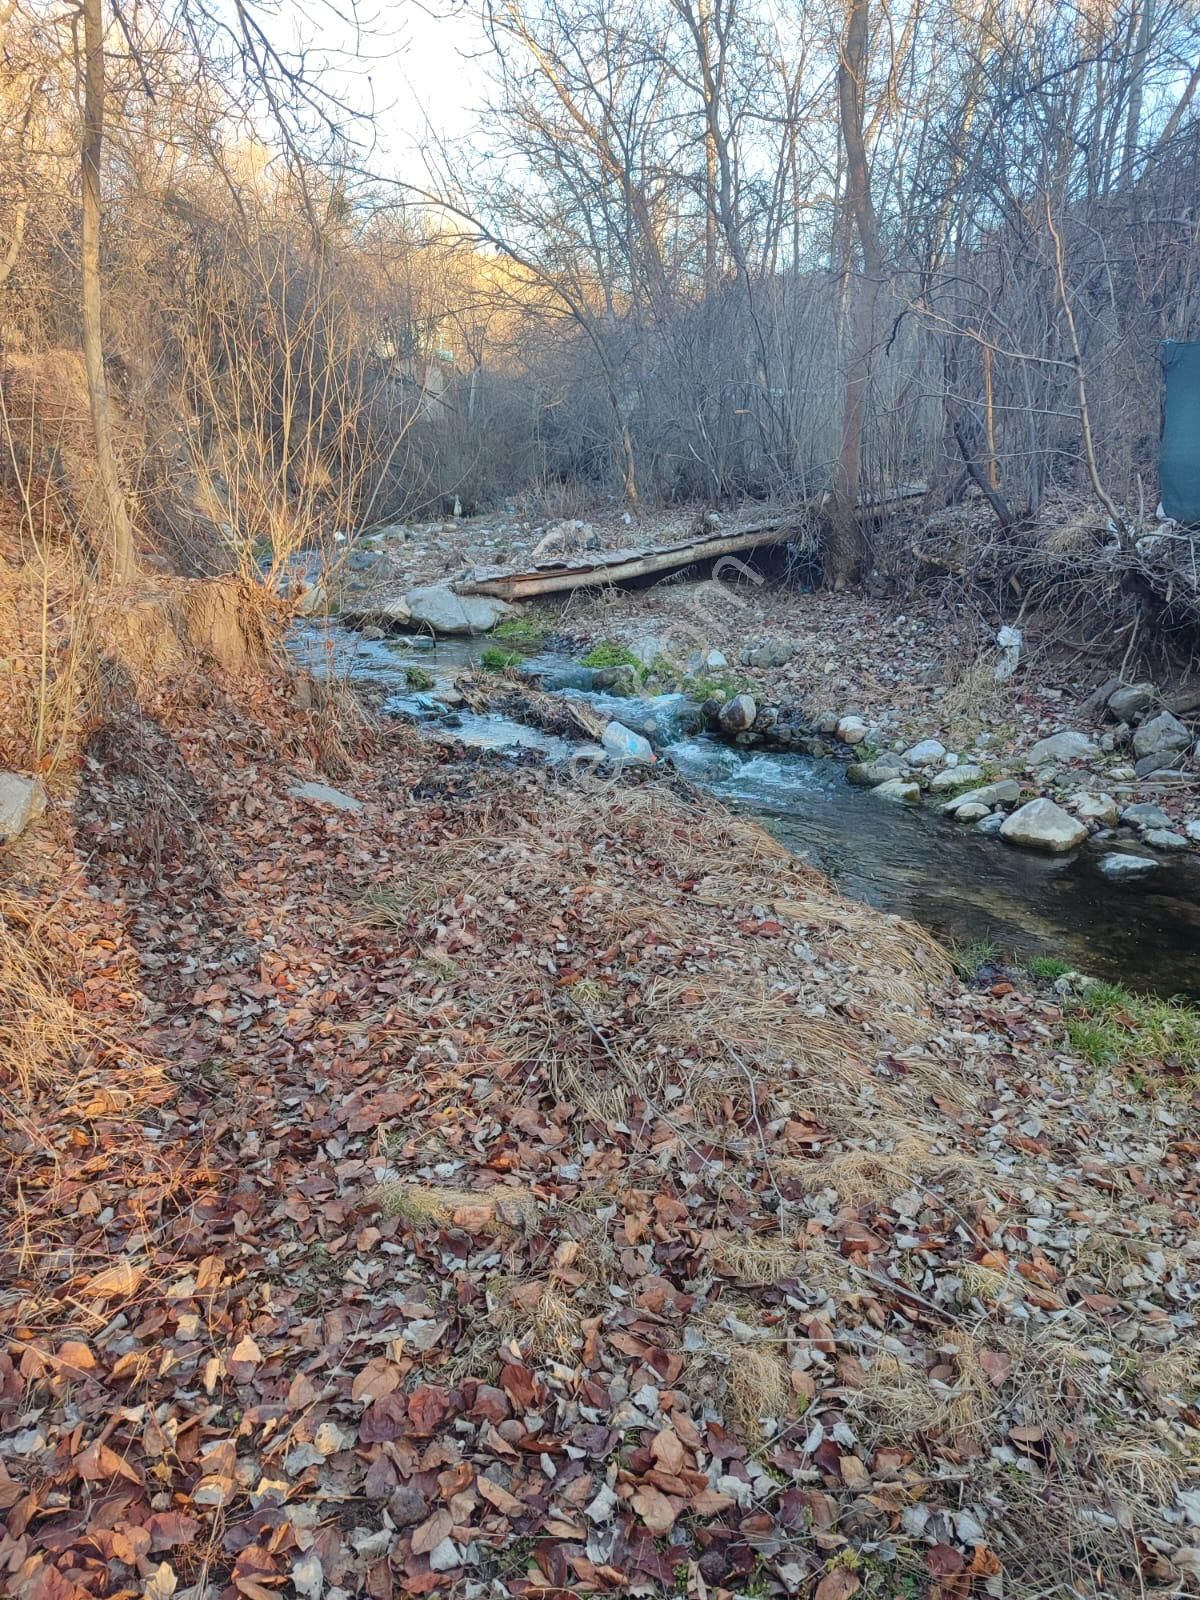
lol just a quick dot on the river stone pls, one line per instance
(1118, 865)
(1129, 702)
(1043, 825)
(900, 789)
(1067, 745)
(851, 730)
(437, 606)
(971, 813)
(1161, 764)
(925, 752)
(1162, 735)
(1101, 808)
(1192, 829)
(1165, 839)
(321, 794)
(22, 800)
(991, 824)
(1003, 792)
(867, 774)
(739, 714)
(1145, 816)
(955, 778)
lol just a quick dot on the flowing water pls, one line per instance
(965, 887)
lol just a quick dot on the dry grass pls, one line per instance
(899, 1398)
(541, 1320)
(493, 1211)
(40, 1030)
(745, 1364)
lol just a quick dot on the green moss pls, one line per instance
(418, 678)
(495, 660)
(521, 630)
(608, 653)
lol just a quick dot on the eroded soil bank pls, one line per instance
(433, 1175)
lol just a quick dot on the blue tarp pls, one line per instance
(1179, 454)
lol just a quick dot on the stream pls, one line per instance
(963, 886)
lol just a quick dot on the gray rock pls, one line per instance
(1161, 735)
(1165, 839)
(650, 650)
(827, 722)
(1145, 816)
(1130, 701)
(1003, 792)
(1067, 745)
(312, 601)
(1162, 761)
(955, 778)
(867, 774)
(22, 801)
(739, 714)
(972, 812)
(361, 560)
(1101, 808)
(925, 752)
(1192, 829)
(1042, 825)
(437, 606)
(715, 660)
(900, 790)
(1117, 865)
(851, 730)
(991, 824)
(321, 794)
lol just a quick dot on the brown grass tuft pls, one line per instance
(503, 1209)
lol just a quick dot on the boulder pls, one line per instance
(1131, 701)
(868, 774)
(22, 801)
(925, 752)
(626, 745)
(1043, 825)
(1163, 762)
(321, 794)
(774, 653)
(715, 660)
(1067, 745)
(1165, 839)
(956, 778)
(901, 790)
(1099, 808)
(1161, 735)
(437, 606)
(1145, 816)
(851, 730)
(739, 714)
(1118, 865)
(991, 824)
(1003, 792)
(973, 812)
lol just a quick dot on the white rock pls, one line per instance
(22, 800)
(1164, 839)
(1117, 865)
(955, 778)
(971, 813)
(1003, 792)
(1101, 808)
(321, 794)
(851, 730)
(925, 752)
(1192, 829)
(1067, 745)
(1042, 825)
(437, 606)
(899, 789)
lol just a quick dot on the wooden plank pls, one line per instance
(621, 566)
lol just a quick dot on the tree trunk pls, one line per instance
(845, 552)
(122, 562)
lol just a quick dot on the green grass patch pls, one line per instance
(494, 659)
(608, 653)
(418, 678)
(526, 631)
(711, 688)
(968, 958)
(1049, 967)
(1109, 1026)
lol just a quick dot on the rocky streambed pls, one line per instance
(1087, 883)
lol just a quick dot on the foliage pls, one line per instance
(527, 631)
(1109, 1026)
(493, 659)
(610, 653)
(1048, 967)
